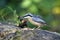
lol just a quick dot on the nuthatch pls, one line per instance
(35, 20)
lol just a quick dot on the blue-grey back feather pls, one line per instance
(39, 20)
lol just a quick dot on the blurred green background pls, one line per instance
(48, 9)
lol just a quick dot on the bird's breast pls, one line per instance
(33, 22)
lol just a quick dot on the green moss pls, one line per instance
(45, 28)
(30, 25)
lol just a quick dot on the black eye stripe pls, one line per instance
(27, 15)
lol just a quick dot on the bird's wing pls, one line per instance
(36, 19)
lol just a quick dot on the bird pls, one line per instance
(35, 20)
